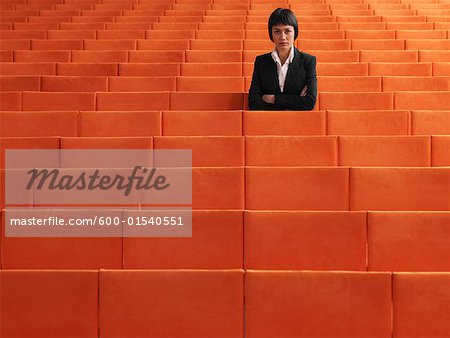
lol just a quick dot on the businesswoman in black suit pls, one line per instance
(284, 79)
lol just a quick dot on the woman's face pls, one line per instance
(283, 37)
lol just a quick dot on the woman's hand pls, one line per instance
(269, 98)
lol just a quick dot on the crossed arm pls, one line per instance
(305, 100)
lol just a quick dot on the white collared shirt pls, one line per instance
(282, 69)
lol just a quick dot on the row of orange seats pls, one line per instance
(144, 101)
(222, 45)
(236, 239)
(312, 188)
(147, 23)
(200, 303)
(161, 70)
(232, 151)
(208, 33)
(217, 84)
(217, 123)
(215, 56)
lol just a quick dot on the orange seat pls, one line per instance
(439, 69)
(400, 69)
(137, 84)
(399, 188)
(316, 304)
(441, 25)
(216, 295)
(101, 124)
(19, 83)
(420, 302)
(41, 56)
(315, 242)
(74, 83)
(210, 84)
(434, 55)
(58, 101)
(49, 19)
(213, 56)
(206, 101)
(362, 25)
(349, 84)
(378, 44)
(149, 69)
(356, 101)
(202, 123)
(342, 69)
(220, 34)
(440, 156)
(93, 56)
(369, 34)
(13, 44)
(284, 123)
(429, 122)
(132, 101)
(414, 234)
(410, 25)
(211, 69)
(81, 25)
(212, 44)
(62, 303)
(181, 44)
(422, 100)
(170, 35)
(416, 83)
(207, 151)
(181, 18)
(20, 34)
(10, 101)
(429, 44)
(292, 188)
(420, 34)
(411, 18)
(35, 26)
(218, 232)
(119, 34)
(322, 44)
(86, 69)
(358, 18)
(368, 122)
(103, 143)
(385, 151)
(336, 55)
(62, 253)
(19, 68)
(110, 44)
(156, 56)
(174, 25)
(212, 189)
(37, 124)
(291, 151)
(389, 56)
(70, 34)
(130, 25)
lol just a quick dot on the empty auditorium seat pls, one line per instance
(434, 55)
(132, 101)
(206, 101)
(342, 69)
(210, 84)
(86, 69)
(439, 69)
(114, 44)
(429, 122)
(217, 243)
(181, 44)
(349, 84)
(357, 101)
(213, 56)
(94, 56)
(420, 301)
(440, 156)
(400, 69)
(414, 235)
(105, 143)
(318, 240)
(399, 188)
(74, 83)
(422, 100)
(19, 83)
(389, 56)
(58, 101)
(284, 123)
(416, 83)
(385, 151)
(56, 45)
(136, 84)
(290, 188)
(317, 304)
(119, 124)
(175, 303)
(62, 303)
(291, 151)
(19, 68)
(377, 44)
(154, 56)
(42, 56)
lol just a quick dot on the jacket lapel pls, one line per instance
(274, 77)
(294, 68)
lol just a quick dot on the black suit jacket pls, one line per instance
(301, 73)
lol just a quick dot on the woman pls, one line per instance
(284, 79)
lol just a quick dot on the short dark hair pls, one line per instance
(283, 16)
